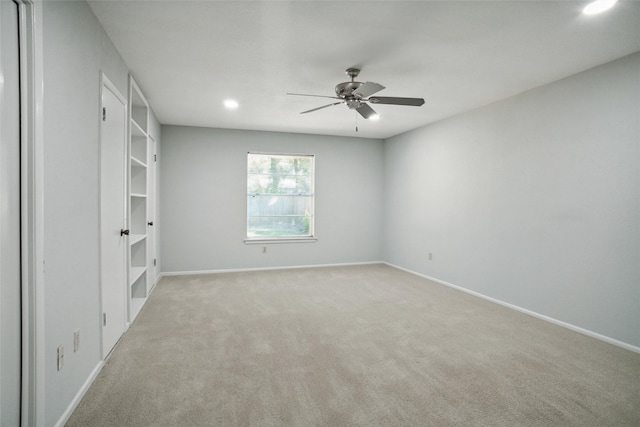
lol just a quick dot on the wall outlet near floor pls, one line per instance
(60, 357)
(76, 340)
(264, 249)
(430, 256)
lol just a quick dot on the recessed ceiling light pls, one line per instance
(231, 104)
(598, 6)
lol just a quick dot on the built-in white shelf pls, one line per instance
(135, 238)
(140, 260)
(135, 273)
(136, 130)
(136, 163)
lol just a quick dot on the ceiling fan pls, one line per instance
(356, 95)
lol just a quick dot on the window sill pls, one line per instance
(283, 240)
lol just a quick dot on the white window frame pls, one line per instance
(311, 238)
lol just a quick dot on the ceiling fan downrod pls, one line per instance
(352, 72)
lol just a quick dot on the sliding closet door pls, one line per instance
(10, 314)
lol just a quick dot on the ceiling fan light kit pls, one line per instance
(355, 96)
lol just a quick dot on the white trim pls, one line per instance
(279, 153)
(79, 395)
(32, 215)
(552, 320)
(283, 240)
(240, 270)
(104, 81)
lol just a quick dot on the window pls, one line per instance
(279, 196)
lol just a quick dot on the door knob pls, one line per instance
(150, 223)
(124, 232)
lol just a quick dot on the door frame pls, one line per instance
(106, 83)
(10, 217)
(30, 15)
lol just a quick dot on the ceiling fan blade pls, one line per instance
(366, 111)
(317, 96)
(368, 88)
(416, 102)
(320, 108)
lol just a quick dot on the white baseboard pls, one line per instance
(78, 397)
(239, 270)
(566, 325)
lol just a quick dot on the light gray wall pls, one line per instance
(534, 200)
(76, 49)
(203, 199)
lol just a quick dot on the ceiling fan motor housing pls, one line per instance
(345, 90)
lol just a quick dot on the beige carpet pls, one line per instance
(352, 346)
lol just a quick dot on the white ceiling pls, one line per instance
(188, 56)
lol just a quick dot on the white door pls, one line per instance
(10, 267)
(113, 243)
(151, 214)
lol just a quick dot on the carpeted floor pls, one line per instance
(352, 346)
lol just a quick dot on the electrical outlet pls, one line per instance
(76, 340)
(60, 357)
(430, 256)
(264, 249)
